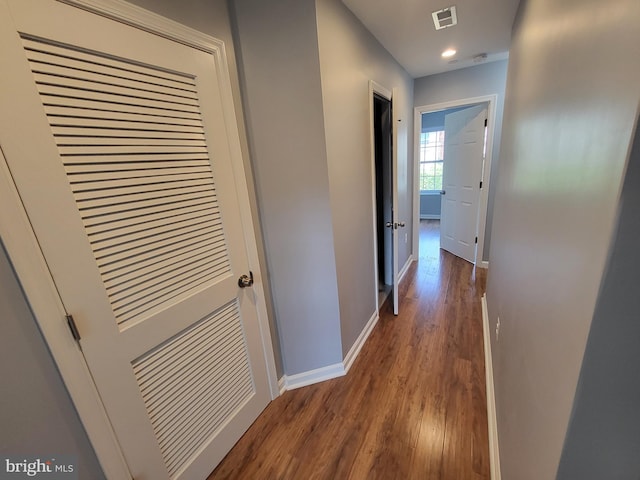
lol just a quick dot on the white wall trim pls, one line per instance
(314, 376)
(494, 450)
(483, 264)
(146, 20)
(289, 382)
(491, 100)
(354, 351)
(429, 216)
(35, 278)
(386, 93)
(405, 269)
(282, 384)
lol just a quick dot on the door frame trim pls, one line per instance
(491, 101)
(376, 88)
(35, 278)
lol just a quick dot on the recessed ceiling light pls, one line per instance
(449, 52)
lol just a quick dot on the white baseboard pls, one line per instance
(483, 264)
(282, 384)
(359, 343)
(289, 382)
(314, 376)
(405, 268)
(494, 450)
(429, 216)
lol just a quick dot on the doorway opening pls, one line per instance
(431, 193)
(383, 155)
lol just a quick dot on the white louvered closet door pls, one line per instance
(117, 142)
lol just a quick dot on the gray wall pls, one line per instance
(603, 440)
(36, 413)
(349, 58)
(485, 79)
(430, 205)
(308, 162)
(278, 46)
(568, 124)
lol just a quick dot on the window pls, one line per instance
(431, 160)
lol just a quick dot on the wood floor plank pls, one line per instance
(413, 405)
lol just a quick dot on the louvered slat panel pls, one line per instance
(96, 206)
(193, 382)
(110, 162)
(94, 60)
(76, 106)
(126, 186)
(136, 173)
(115, 97)
(106, 223)
(46, 70)
(142, 291)
(88, 171)
(138, 228)
(210, 368)
(133, 241)
(111, 266)
(79, 142)
(81, 132)
(153, 248)
(57, 84)
(105, 127)
(202, 363)
(68, 114)
(135, 271)
(66, 150)
(174, 267)
(132, 143)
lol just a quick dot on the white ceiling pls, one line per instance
(405, 28)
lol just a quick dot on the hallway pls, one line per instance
(413, 405)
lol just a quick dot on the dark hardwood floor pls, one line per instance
(413, 405)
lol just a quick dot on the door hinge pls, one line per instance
(73, 327)
(476, 239)
(485, 122)
(480, 183)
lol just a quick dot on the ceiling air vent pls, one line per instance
(445, 18)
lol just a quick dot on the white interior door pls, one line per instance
(463, 159)
(118, 146)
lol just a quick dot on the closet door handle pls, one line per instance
(245, 280)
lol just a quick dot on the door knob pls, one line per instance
(443, 192)
(245, 280)
(394, 225)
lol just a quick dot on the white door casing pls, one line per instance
(375, 88)
(95, 183)
(463, 164)
(491, 101)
